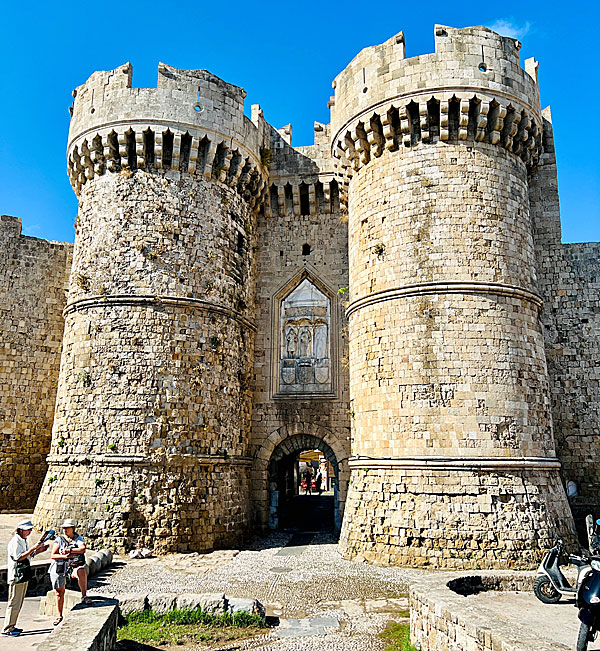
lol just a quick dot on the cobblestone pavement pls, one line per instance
(323, 601)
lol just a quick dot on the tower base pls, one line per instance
(178, 504)
(448, 517)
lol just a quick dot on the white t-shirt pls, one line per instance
(63, 545)
(16, 547)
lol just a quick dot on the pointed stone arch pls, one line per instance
(296, 437)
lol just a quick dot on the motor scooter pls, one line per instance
(588, 593)
(588, 603)
(550, 583)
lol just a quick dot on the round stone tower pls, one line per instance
(151, 430)
(453, 452)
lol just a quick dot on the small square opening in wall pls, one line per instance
(306, 250)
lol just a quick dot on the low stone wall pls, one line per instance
(213, 603)
(87, 628)
(40, 583)
(441, 618)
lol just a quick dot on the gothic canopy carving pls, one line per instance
(305, 348)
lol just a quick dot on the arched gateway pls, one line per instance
(272, 461)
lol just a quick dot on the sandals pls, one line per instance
(57, 621)
(86, 601)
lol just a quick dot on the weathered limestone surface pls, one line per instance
(287, 422)
(33, 280)
(569, 282)
(152, 429)
(448, 380)
(395, 295)
(444, 614)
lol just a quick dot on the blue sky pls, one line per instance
(285, 56)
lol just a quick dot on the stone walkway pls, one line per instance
(323, 601)
(555, 622)
(36, 627)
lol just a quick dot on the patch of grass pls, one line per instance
(399, 637)
(179, 626)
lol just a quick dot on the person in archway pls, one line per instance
(308, 480)
(319, 481)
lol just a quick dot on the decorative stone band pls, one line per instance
(177, 301)
(453, 115)
(143, 460)
(302, 196)
(455, 463)
(167, 145)
(451, 287)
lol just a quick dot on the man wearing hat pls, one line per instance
(18, 551)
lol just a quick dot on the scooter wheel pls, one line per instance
(585, 635)
(545, 591)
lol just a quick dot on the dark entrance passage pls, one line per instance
(307, 513)
(293, 506)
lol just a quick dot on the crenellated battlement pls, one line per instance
(302, 179)
(192, 122)
(472, 89)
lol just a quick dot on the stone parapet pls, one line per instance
(443, 616)
(91, 628)
(193, 122)
(471, 91)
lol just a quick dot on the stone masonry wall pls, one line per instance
(33, 281)
(444, 615)
(569, 282)
(573, 350)
(151, 436)
(452, 517)
(448, 376)
(281, 266)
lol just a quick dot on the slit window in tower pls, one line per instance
(149, 148)
(306, 250)
(167, 149)
(184, 152)
(304, 200)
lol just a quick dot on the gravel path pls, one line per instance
(300, 578)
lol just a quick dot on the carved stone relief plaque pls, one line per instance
(304, 360)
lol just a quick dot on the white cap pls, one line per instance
(68, 524)
(25, 524)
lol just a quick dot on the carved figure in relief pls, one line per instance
(304, 343)
(290, 343)
(320, 342)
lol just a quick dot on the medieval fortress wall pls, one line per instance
(33, 278)
(209, 333)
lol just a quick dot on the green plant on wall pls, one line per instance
(266, 157)
(85, 378)
(83, 282)
(379, 250)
